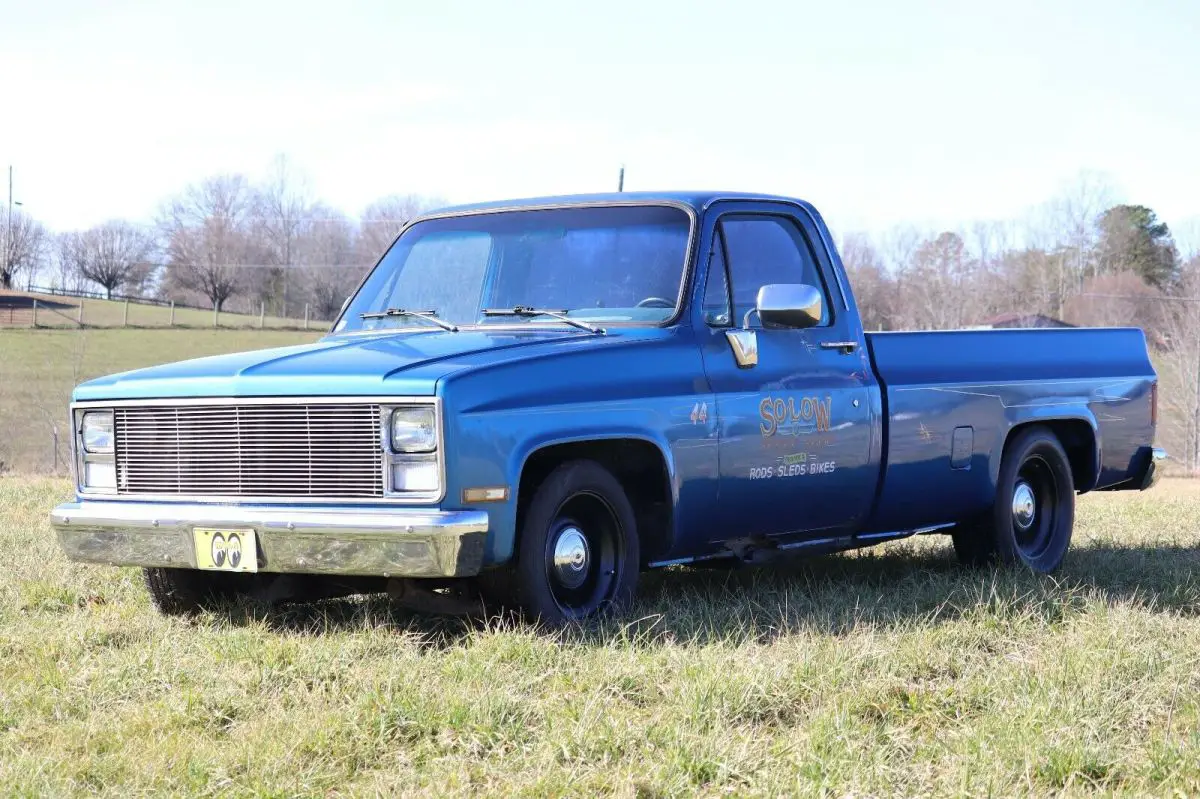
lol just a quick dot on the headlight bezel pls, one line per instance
(91, 460)
(420, 455)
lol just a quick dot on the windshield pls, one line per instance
(621, 264)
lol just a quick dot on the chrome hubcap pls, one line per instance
(1024, 506)
(571, 557)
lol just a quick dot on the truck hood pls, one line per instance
(407, 363)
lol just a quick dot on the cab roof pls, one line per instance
(697, 200)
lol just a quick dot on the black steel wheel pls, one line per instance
(577, 555)
(1033, 516)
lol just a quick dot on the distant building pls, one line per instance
(1007, 320)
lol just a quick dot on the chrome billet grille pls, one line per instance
(318, 450)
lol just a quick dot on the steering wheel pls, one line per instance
(656, 302)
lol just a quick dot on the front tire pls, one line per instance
(577, 555)
(1033, 516)
(183, 592)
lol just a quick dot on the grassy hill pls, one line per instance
(38, 369)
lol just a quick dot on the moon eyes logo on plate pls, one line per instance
(233, 551)
(218, 550)
(226, 550)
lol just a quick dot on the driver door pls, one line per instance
(795, 427)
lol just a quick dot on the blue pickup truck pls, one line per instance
(534, 401)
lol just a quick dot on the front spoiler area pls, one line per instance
(308, 540)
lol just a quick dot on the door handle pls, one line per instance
(846, 347)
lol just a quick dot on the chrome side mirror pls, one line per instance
(788, 305)
(795, 305)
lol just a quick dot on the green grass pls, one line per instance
(39, 368)
(891, 672)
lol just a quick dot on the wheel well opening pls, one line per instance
(638, 465)
(1078, 440)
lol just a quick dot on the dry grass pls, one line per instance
(112, 313)
(39, 368)
(892, 672)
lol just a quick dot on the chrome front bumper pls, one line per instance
(400, 543)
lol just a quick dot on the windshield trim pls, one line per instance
(684, 282)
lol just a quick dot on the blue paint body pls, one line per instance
(904, 432)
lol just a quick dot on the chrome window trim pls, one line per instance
(384, 402)
(824, 287)
(685, 279)
(830, 251)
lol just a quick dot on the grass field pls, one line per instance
(38, 369)
(112, 313)
(892, 672)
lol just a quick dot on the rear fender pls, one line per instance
(1019, 418)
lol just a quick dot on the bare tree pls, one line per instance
(1072, 216)
(206, 238)
(328, 260)
(873, 287)
(1031, 280)
(382, 220)
(940, 287)
(1119, 300)
(24, 247)
(283, 209)
(1187, 239)
(63, 272)
(114, 255)
(1178, 367)
(899, 244)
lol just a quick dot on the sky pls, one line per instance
(878, 111)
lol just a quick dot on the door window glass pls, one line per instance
(768, 249)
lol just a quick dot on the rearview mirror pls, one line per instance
(789, 305)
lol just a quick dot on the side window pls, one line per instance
(716, 289)
(768, 249)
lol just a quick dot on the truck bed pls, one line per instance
(950, 400)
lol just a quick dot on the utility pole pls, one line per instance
(8, 225)
(620, 179)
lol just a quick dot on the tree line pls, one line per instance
(1080, 258)
(224, 242)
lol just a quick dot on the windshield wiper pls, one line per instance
(527, 312)
(430, 316)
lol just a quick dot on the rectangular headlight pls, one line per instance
(414, 430)
(96, 432)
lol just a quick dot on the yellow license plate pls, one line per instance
(226, 550)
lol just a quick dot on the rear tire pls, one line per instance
(577, 555)
(1033, 515)
(182, 592)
